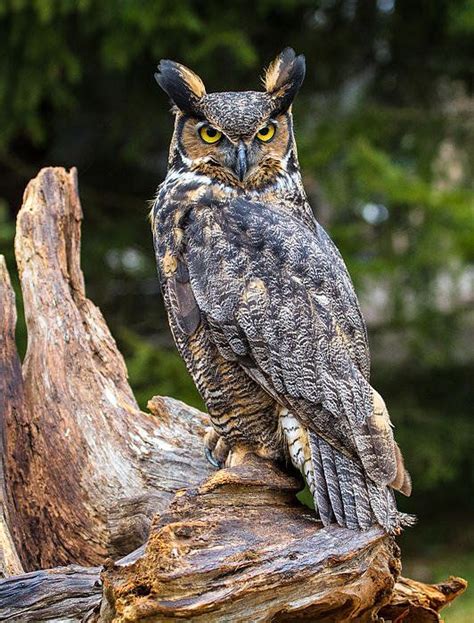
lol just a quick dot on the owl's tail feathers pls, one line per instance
(342, 492)
(339, 489)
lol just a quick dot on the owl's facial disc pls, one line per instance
(250, 160)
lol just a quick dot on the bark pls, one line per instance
(93, 467)
(84, 471)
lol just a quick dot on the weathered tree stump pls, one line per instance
(86, 468)
(238, 548)
(416, 602)
(84, 471)
(241, 548)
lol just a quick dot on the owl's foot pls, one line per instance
(215, 448)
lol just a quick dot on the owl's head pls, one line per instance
(241, 138)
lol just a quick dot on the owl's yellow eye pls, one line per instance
(209, 134)
(266, 133)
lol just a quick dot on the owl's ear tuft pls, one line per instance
(283, 79)
(183, 86)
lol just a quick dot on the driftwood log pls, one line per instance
(84, 471)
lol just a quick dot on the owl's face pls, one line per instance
(239, 138)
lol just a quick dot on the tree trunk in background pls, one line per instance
(84, 471)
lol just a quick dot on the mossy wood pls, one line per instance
(88, 478)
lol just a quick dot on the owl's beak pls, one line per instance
(241, 163)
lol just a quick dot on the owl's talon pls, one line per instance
(210, 457)
(216, 449)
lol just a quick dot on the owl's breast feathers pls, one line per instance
(275, 296)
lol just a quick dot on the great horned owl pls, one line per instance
(260, 302)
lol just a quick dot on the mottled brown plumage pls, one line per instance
(260, 303)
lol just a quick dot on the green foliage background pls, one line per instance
(385, 127)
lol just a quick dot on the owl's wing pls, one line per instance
(277, 298)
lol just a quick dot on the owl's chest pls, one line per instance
(216, 226)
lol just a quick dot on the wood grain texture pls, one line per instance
(74, 594)
(11, 404)
(241, 548)
(93, 468)
(418, 602)
(64, 594)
